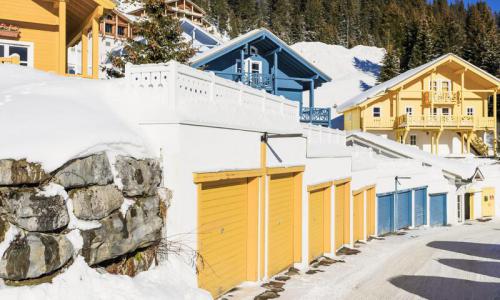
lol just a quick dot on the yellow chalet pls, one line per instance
(446, 107)
(41, 31)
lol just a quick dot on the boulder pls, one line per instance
(4, 227)
(35, 254)
(95, 202)
(20, 172)
(32, 211)
(118, 235)
(139, 177)
(81, 172)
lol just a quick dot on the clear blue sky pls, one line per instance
(494, 4)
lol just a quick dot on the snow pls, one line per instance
(463, 168)
(125, 206)
(166, 281)
(76, 239)
(51, 119)
(352, 70)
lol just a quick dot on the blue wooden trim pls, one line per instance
(311, 101)
(385, 194)
(262, 34)
(275, 72)
(421, 187)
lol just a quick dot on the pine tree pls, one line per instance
(313, 20)
(482, 46)
(281, 19)
(161, 40)
(218, 11)
(423, 51)
(390, 66)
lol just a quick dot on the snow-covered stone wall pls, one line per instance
(100, 207)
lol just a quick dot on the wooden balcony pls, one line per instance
(379, 123)
(440, 121)
(442, 97)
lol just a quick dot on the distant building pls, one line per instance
(40, 32)
(117, 26)
(446, 107)
(263, 61)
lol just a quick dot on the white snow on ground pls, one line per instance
(420, 264)
(79, 281)
(352, 70)
(52, 119)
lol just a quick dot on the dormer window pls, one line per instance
(409, 111)
(376, 112)
(253, 51)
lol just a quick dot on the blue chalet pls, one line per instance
(261, 60)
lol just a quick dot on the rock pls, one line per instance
(4, 227)
(81, 172)
(267, 295)
(32, 211)
(139, 177)
(292, 271)
(34, 255)
(133, 263)
(20, 172)
(95, 202)
(140, 228)
(282, 278)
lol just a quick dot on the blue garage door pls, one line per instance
(385, 206)
(420, 206)
(438, 209)
(403, 217)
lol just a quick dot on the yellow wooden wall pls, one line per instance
(352, 119)
(38, 23)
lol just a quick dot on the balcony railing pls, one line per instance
(445, 121)
(380, 123)
(320, 116)
(442, 97)
(258, 81)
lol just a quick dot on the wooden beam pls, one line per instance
(95, 49)
(85, 54)
(86, 25)
(62, 37)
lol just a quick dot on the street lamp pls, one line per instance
(396, 183)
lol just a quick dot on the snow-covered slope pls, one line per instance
(352, 70)
(52, 119)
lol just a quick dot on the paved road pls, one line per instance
(459, 262)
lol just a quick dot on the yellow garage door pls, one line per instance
(359, 216)
(281, 191)
(488, 205)
(370, 212)
(222, 234)
(342, 214)
(319, 222)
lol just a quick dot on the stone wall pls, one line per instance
(113, 209)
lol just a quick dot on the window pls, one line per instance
(109, 17)
(22, 49)
(433, 85)
(470, 111)
(376, 112)
(409, 111)
(445, 86)
(445, 111)
(435, 111)
(255, 67)
(121, 30)
(108, 28)
(238, 66)
(413, 140)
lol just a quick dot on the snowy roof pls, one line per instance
(200, 29)
(383, 87)
(51, 119)
(249, 36)
(463, 168)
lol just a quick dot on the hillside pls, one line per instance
(352, 70)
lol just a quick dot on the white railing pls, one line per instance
(195, 96)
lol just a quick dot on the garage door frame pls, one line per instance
(403, 216)
(424, 206)
(326, 190)
(358, 212)
(342, 215)
(444, 208)
(371, 199)
(297, 173)
(251, 259)
(382, 215)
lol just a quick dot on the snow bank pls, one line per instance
(79, 281)
(52, 119)
(352, 70)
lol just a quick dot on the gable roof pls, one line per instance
(403, 78)
(249, 37)
(194, 27)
